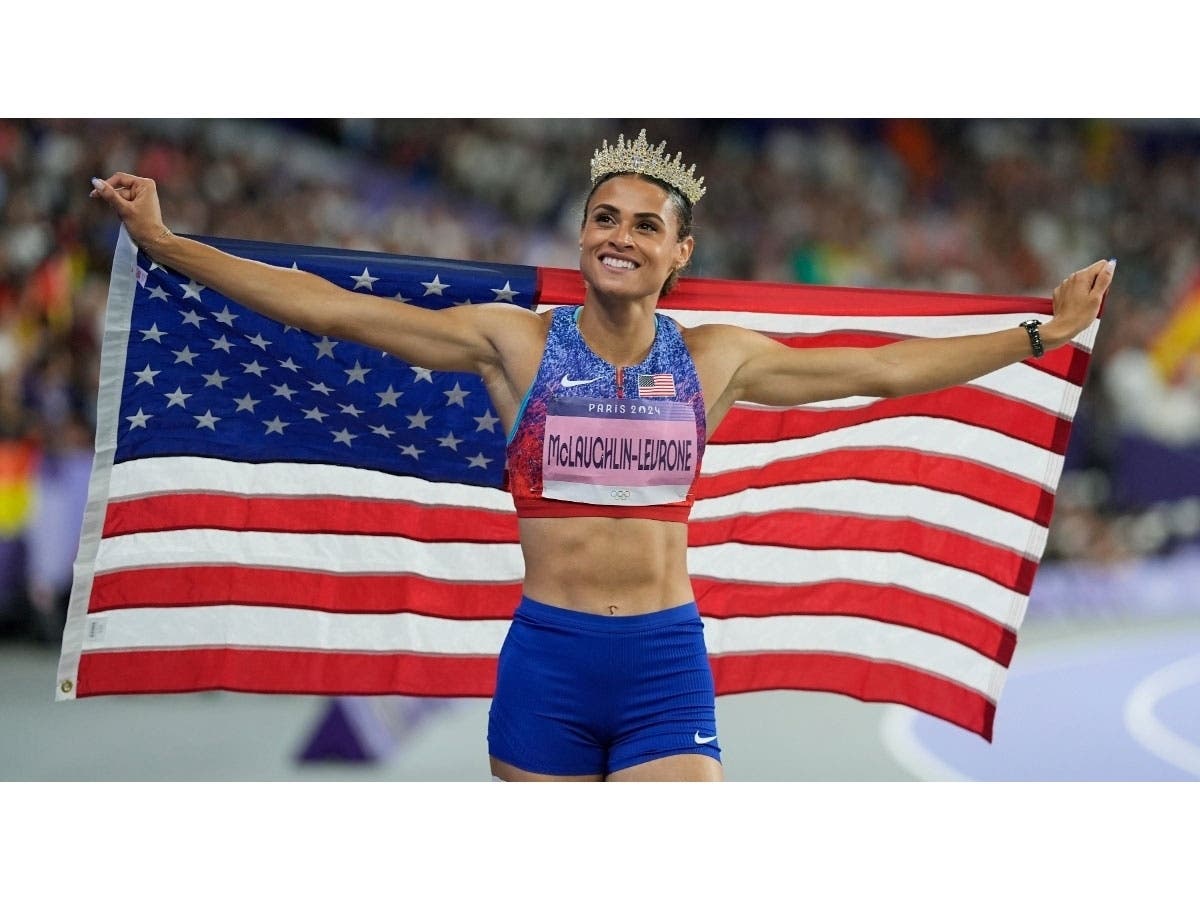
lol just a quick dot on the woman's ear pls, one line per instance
(684, 254)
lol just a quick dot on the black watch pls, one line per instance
(1035, 339)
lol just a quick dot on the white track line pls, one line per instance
(1144, 725)
(900, 739)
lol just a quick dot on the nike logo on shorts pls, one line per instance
(568, 382)
(704, 740)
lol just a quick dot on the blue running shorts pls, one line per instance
(584, 694)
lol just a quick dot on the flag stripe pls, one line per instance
(828, 532)
(863, 679)
(884, 603)
(885, 501)
(286, 629)
(312, 552)
(565, 286)
(146, 477)
(787, 566)
(280, 671)
(217, 585)
(306, 515)
(285, 672)
(934, 437)
(956, 476)
(969, 406)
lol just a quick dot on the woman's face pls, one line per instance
(629, 239)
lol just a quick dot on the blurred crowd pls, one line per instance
(1002, 207)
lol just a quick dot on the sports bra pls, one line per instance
(593, 439)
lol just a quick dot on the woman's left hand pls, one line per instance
(1077, 302)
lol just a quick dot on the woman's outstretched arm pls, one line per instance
(466, 338)
(764, 371)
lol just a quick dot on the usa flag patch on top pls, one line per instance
(656, 385)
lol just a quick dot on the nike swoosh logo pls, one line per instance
(700, 740)
(571, 382)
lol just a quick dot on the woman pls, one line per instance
(604, 673)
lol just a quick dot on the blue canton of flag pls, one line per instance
(206, 376)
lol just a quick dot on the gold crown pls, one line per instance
(638, 156)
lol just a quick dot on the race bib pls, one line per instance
(618, 452)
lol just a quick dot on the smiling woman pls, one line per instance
(604, 672)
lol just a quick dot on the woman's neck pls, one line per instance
(620, 333)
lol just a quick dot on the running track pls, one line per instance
(1121, 710)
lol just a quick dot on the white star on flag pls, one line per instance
(247, 403)
(325, 347)
(138, 420)
(450, 441)
(146, 376)
(225, 317)
(191, 317)
(159, 294)
(185, 356)
(275, 426)
(356, 374)
(410, 450)
(434, 287)
(153, 334)
(505, 293)
(215, 379)
(487, 422)
(418, 420)
(253, 368)
(208, 420)
(478, 460)
(177, 398)
(282, 390)
(315, 413)
(343, 437)
(221, 344)
(388, 397)
(192, 289)
(365, 280)
(422, 374)
(382, 431)
(455, 396)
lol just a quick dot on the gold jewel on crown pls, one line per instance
(638, 156)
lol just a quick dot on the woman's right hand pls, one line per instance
(135, 200)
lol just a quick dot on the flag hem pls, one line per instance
(112, 371)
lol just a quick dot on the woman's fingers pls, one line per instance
(105, 191)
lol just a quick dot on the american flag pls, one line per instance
(276, 511)
(656, 385)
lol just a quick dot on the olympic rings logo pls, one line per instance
(619, 495)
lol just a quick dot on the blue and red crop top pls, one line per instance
(592, 439)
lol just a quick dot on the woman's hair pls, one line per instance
(683, 212)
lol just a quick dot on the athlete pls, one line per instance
(604, 673)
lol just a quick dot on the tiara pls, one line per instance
(638, 156)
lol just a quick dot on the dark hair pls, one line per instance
(683, 212)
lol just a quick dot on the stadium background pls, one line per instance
(1104, 685)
